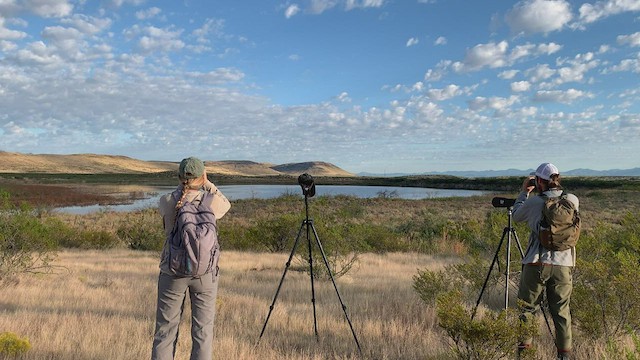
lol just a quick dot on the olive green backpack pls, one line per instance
(560, 224)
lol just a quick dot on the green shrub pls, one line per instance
(13, 345)
(142, 230)
(605, 298)
(493, 335)
(27, 242)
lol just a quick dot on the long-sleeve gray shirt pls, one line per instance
(529, 209)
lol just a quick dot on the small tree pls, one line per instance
(491, 336)
(27, 243)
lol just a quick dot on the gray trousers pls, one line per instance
(171, 297)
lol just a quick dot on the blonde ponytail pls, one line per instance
(189, 184)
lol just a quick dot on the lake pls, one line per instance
(237, 192)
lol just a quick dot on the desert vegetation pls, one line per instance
(83, 286)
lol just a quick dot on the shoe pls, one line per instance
(522, 348)
(563, 355)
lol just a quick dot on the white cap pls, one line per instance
(546, 170)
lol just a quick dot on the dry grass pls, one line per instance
(103, 306)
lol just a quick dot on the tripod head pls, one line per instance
(308, 186)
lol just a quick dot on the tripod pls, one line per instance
(509, 232)
(308, 224)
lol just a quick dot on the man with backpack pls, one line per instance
(189, 261)
(548, 263)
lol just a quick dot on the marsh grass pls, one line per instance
(103, 307)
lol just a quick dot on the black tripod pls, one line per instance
(308, 189)
(509, 232)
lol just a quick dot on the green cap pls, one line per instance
(191, 168)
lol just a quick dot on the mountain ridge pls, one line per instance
(12, 162)
(515, 172)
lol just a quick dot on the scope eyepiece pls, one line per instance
(501, 202)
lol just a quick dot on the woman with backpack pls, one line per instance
(546, 267)
(187, 213)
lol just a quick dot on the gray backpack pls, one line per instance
(193, 243)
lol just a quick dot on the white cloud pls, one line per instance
(626, 65)
(490, 55)
(593, 12)
(37, 53)
(520, 86)
(8, 7)
(576, 68)
(446, 93)
(148, 13)
(631, 39)
(539, 73)
(355, 4)
(565, 97)
(412, 41)
(494, 55)
(344, 97)
(439, 72)
(499, 104)
(538, 16)
(8, 34)
(163, 40)
(320, 6)
(87, 24)
(291, 11)
(508, 74)
(49, 8)
(441, 40)
(119, 3)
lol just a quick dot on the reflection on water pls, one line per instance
(237, 192)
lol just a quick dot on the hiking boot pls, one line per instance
(521, 349)
(563, 355)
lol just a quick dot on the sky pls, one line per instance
(377, 86)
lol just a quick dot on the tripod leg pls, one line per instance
(486, 280)
(313, 291)
(286, 268)
(344, 308)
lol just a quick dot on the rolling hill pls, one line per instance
(11, 162)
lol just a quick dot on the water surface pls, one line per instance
(237, 192)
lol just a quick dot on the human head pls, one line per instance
(549, 175)
(191, 170)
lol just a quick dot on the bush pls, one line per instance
(12, 345)
(27, 243)
(492, 336)
(142, 230)
(605, 299)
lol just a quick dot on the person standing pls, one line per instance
(172, 289)
(543, 269)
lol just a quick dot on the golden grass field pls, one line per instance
(101, 305)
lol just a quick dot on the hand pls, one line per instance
(526, 185)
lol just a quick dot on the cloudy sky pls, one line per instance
(380, 86)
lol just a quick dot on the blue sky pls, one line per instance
(375, 86)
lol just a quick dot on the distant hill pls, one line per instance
(11, 162)
(516, 172)
(314, 168)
